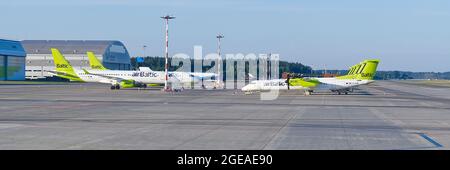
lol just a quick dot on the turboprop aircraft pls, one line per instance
(359, 74)
(117, 78)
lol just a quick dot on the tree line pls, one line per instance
(157, 63)
(398, 75)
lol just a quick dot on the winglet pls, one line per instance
(85, 71)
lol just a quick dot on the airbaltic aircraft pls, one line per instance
(117, 78)
(184, 77)
(359, 74)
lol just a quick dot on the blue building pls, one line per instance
(12, 60)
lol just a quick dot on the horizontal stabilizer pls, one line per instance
(147, 69)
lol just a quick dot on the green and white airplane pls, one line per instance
(359, 74)
(183, 77)
(95, 64)
(117, 78)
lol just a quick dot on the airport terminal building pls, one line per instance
(113, 55)
(12, 60)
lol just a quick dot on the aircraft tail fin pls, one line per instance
(94, 62)
(363, 71)
(61, 63)
(63, 66)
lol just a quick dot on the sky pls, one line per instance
(406, 35)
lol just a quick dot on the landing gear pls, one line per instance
(339, 92)
(141, 86)
(308, 92)
(114, 87)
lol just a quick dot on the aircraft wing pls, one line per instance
(61, 73)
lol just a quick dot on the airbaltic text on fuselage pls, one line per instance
(144, 74)
(275, 83)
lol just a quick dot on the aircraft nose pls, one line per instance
(249, 87)
(245, 88)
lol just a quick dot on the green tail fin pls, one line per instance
(94, 62)
(363, 71)
(63, 66)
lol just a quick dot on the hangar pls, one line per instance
(113, 55)
(12, 60)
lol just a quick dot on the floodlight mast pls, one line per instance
(143, 48)
(167, 18)
(219, 60)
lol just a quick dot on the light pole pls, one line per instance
(269, 67)
(166, 18)
(143, 55)
(219, 60)
(144, 47)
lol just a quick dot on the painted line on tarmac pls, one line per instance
(429, 139)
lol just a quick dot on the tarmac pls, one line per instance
(385, 115)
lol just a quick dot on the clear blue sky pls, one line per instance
(411, 35)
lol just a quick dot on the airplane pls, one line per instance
(117, 78)
(184, 77)
(96, 64)
(359, 74)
